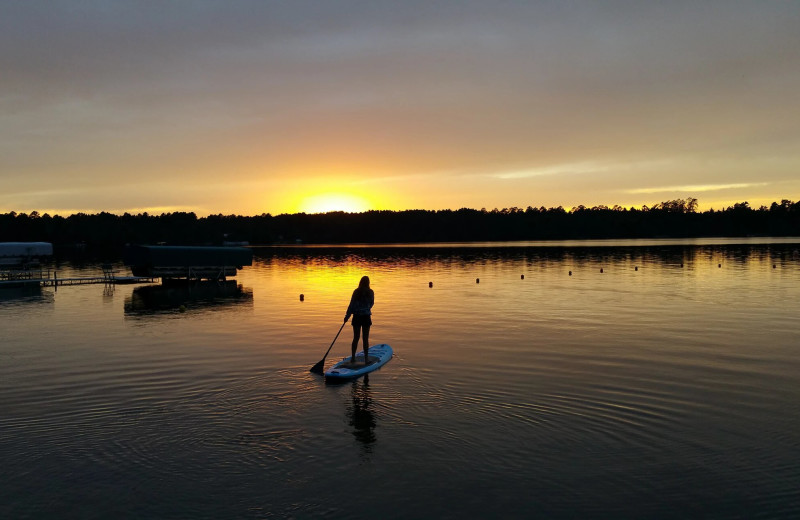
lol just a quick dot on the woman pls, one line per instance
(361, 309)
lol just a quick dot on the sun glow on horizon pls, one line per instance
(327, 202)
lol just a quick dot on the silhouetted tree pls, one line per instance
(673, 218)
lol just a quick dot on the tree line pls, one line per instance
(675, 218)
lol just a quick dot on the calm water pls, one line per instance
(666, 386)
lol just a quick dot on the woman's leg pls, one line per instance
(366, 344)
(356, 334)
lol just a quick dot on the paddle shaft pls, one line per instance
(318, 366)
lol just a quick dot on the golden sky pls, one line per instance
(253, 107)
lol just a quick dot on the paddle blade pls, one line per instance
(318, 368)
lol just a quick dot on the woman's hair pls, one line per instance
(363, 285)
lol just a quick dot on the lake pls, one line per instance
(604, 379)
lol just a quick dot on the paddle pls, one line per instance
(317, 369)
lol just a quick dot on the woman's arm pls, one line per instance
(349, 311)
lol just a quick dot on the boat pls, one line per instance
(19, 254)
(187, 262)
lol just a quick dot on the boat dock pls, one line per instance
(48, 278)
(20, 265)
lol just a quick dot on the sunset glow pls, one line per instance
(327, 202)
(263, 107)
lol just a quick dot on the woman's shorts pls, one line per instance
(361, 320)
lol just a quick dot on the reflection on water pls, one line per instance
(664, 387)
(360, 414)
(178, 297)
(23, 295)
(661, 253)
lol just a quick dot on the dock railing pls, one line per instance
(49, 278)
(22, 274)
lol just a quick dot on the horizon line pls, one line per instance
(165, 211)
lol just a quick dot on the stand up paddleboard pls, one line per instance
(379, 355)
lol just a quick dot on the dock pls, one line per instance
(47, 278)
(20, 265)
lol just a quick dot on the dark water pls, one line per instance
(666, 386)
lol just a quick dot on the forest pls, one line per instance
(670, 219)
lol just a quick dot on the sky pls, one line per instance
(250, 107)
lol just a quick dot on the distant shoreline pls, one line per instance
(676, 219)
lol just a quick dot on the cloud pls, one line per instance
(547, 100)
(696, 188)
(558, 169)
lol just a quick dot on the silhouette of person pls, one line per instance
(361, 309)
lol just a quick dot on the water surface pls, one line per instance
(665, 386)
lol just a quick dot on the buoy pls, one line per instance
(522, 277)
(430, 284)
(601, 269)
(719, 265)
(302, 297)
(570, 273)
(636, 268)
(477, 280)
